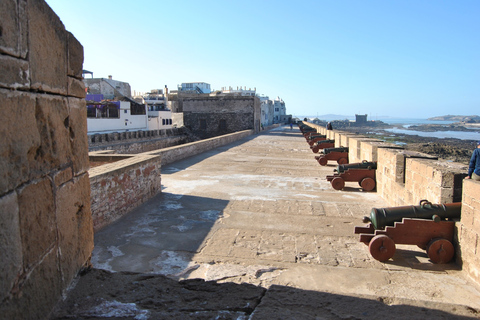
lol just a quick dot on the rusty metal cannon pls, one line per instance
(363, 173)
(315, 137)
(307, 129)
(335, 154)
(319, 145)
(423, 225)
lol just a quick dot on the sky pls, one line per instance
(403, 59)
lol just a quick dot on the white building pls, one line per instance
(110, 108)
(240, 91)
(111, 89)
(279, 111)
(159, 116)
(266, 109)
(114, 116)
(194, 87)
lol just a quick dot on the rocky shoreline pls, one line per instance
(449, 149)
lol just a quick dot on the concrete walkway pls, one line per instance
(259, 213)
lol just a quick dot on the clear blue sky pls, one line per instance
(408, 58)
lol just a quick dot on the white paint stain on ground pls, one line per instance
(170, 263)
(115, 309)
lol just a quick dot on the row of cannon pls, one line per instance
(428, 226)
(363, 172)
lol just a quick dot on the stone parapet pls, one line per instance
(468, 231)
(406, 177)
(183, 151)
(46, 233)
(120, 186)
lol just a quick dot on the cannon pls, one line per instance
(363, 173)
(322, 145)
(316, 137)
(336, 154)
(423, 225)
(382, 217)
(306, 129)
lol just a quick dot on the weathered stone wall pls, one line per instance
(119, 187)
(468, 230)
(100, 141)
(210, 116)
(123, 181)
(180, 152)
(405, 177)
(140, 146)
(46, 233)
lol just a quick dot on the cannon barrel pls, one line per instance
(382, 217)
(324, 141)
(361, 165)
(341, 149)
(313, 136)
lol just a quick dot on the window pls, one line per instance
(110, 110)
(163, 121)
(137, 109)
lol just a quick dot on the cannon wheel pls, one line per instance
(440, 250)
(315, 149)
(323, 161)
(367, 184)
(381, 247)
(342, 161)
(338, 183)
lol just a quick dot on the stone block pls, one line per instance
(37, 215)
(10, 242)
(62, 176)
(13, 28)
(468, 241)
(75, 228)
(74, 57)
(472, 188)
(17, 151)
(47, 40)
(52, 123)
(38, 293)
(14, 73)
(76, 88)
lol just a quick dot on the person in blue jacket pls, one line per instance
(474, 167)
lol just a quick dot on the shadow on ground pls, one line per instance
(100, 294)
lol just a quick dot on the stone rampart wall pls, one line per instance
(104, 141)
(129, 180)
(183, 151)
(46, 233)
(405, 177)
(120, 186)
(468, 230)
(140, 146)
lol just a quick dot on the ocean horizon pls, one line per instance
(404, 123)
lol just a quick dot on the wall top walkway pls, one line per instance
(260, 211)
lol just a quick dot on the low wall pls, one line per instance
(405, 177)
(127, 181)
(183, 151)
(119, 187)
(468, 230)
(133, 142)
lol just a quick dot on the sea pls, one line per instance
(404, 123)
